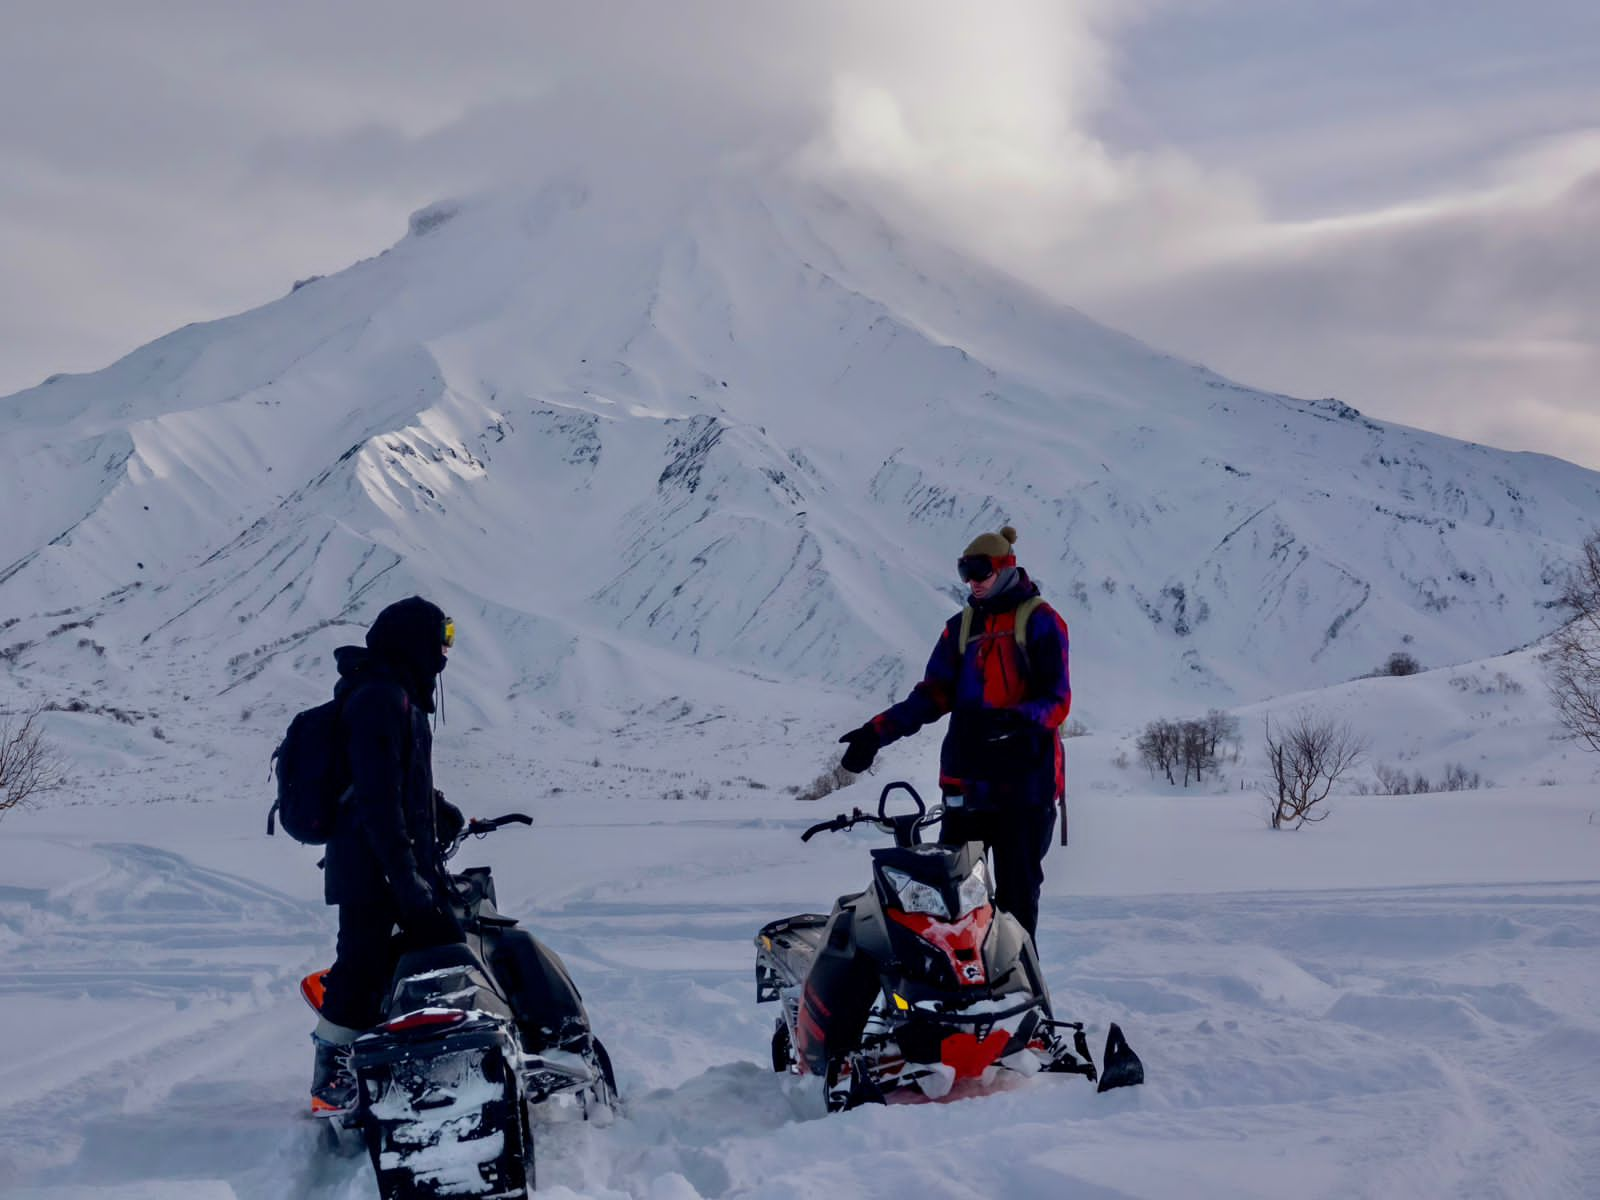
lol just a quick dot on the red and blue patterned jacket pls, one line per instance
(993, 676)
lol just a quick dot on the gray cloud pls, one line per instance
(1362, 200)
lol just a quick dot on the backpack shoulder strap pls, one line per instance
(967, 614)
(1025, 611)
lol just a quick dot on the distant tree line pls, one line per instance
(1395, 781)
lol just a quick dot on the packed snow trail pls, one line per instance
(1420, 1041)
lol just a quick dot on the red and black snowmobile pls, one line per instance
(919, 982)
(474, 1035)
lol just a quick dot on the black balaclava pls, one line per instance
(409, 636)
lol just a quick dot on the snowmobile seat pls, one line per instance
(436, 958)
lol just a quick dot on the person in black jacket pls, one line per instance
(385, 862)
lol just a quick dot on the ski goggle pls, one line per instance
(975, 568)
(449, 633)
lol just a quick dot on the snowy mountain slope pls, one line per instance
(745, 423)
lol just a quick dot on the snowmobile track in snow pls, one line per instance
(1321, 1037)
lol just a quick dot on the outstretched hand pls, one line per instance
(449, 821)
(862, 747)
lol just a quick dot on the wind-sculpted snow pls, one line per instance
(751, 425)
(1357, 1030)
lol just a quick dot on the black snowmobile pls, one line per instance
(473, 1036)
(919, 981)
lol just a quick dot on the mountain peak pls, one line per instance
(745, 420)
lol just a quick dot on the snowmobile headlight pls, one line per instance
(916, 896)
(974, 891)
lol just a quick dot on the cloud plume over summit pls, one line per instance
(1265, 193)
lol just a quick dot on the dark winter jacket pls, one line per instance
(389, 827)
(1003, 746)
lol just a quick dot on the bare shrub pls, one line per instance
(1074, 729)
(1573, 661)
(1221, 730)
(1400, 663)
(829, 781)
(1307, 755)
(1500, 684)
(1393, 781)
(1459, 778)
(29, 766)
(1193, 744)
(1159, 747)
(1121, 761)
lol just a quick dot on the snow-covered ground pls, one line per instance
(1399, 1002)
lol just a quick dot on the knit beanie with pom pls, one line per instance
(997, 546)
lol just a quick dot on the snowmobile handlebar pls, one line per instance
(479, 826)
(842, 821)
(483, 827)
(923, 818)
(899, 785)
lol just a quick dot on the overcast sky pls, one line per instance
(1396, 202)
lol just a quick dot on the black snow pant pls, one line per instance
(1019, 838)
(363, 965)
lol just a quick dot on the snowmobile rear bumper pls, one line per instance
(383, 1050)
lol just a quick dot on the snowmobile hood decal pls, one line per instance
(960, 940)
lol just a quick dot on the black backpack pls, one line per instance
(313, 775)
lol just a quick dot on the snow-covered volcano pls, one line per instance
(634, 441)
(691, 471)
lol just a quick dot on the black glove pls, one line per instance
(1002, 746)
(864, 744)
(447, 819)
(425, 917)
(1000, 724)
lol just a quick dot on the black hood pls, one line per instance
(406, 642)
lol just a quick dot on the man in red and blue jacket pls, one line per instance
(1007, 692)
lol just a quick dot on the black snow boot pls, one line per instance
(333, 1083)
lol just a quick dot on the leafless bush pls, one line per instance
(1306, 755)
(1221, 729)
(1393, 781)
(1074, 729)
(1159, 747)
(1573, 660)
(1121, 761)
(1500, 684)
(830, 780)
(29, 765)
(1459, 778)
(1192, 744)
(1400, 663)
